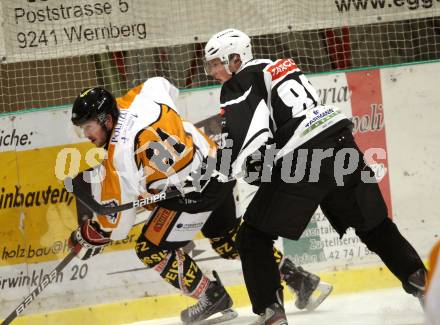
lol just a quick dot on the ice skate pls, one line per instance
(418, 281)
(310, 291)
(215, 300)
(274, 314)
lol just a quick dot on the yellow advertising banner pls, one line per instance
(37, 214)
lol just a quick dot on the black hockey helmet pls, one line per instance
(94, 103)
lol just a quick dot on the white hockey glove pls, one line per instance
(88, 240)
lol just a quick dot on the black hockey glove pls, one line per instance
(253, 170)
(88, 240)
(260, 164)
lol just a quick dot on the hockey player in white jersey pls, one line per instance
(270, 109)
(149, 149)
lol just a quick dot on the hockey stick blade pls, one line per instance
(73, 184)
(36, 292)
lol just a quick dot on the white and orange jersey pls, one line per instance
(432, 304)
(151, 148)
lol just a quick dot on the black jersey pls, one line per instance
(272, 102)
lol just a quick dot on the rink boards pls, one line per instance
(394, 109)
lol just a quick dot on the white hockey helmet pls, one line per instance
(225, 44)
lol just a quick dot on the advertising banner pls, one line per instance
(47, 29)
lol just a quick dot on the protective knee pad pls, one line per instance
(225, 245)
(150, 254)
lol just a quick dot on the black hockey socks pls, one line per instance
(260, 269)
(395, 251)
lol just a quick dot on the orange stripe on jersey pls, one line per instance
(125, 101)
(433, 260)
(164, 148)
(110, 190)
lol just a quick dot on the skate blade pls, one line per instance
(319, 295)
(225, 316)
(421, 299)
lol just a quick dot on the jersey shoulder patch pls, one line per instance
(281, 67)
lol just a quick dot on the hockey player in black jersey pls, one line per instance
(284, 139)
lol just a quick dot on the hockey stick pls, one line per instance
(74, 184)
(36, 292)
